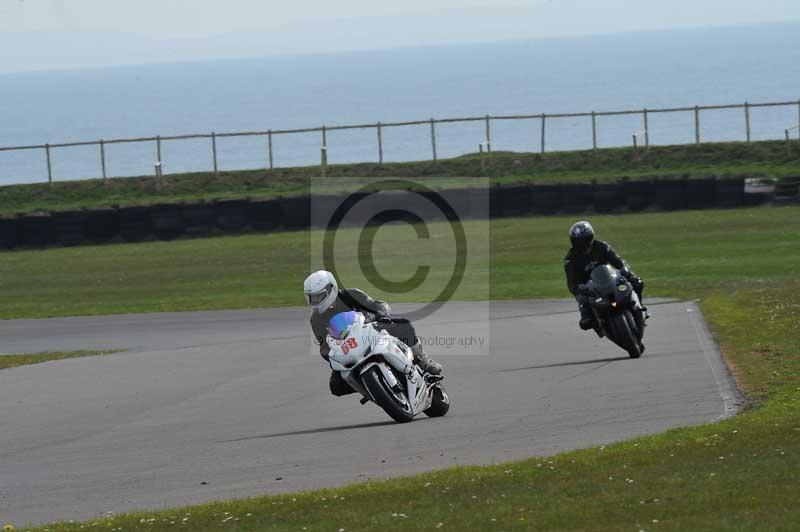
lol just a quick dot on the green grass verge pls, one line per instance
(738, 474)
(26, 359)
(680, 254)
(762, 159)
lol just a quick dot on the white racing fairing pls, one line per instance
(381, 368)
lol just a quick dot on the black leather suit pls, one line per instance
(374, 311)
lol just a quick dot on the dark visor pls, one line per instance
(319, 297)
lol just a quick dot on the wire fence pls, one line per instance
(546, 122)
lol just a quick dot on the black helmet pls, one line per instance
(581, 235)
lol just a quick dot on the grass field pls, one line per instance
(25, 359)
(762, 159)
(738, 474)
(682, 254)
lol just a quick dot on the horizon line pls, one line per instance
(353, 51)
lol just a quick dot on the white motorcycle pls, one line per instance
(381, 368)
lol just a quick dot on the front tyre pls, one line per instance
(440, 404)
(623, 335)
(633, 324)
(393, 403)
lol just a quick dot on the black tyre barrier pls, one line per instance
(264, 215)
(231, 215)
(609, 197)
(479, 203)
(378, 207)
(546, 199)
(296, 212)
(577, 197)
(135, 224)
(729, 192)
(751, 200)
(36, 230)
(427, 202)
(639, 194)
(788, 187)
(9, 232)
(700, 193)
(513, 200)
(494, 205)
(70, 227)
(167, 221)
(670, 194)
(102, 224)
(171, 221)
(463, 202)
(199, 218)
(320, 211)
(419, 205)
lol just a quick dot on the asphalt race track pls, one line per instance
(217, 405)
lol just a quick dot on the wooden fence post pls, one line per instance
(433, 138)
(380, 144)
(158, 176)
(488, 135)
(646, 130)
(544, 118)
(483, 160)
(747, 120)
(103, 158)
(49, 164)
(269, 142)
(696, 124)
(214, 151)
(594, 130)
(324, 152)
(789, 144)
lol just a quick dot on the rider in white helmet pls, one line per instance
(326, 300)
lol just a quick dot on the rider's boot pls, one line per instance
(422, 360)
(639, 289)
(587, 317)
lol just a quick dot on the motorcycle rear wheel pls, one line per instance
(378, 388)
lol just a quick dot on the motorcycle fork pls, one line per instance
(599, 327)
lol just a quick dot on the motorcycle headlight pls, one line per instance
(623, 287)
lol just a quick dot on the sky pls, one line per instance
(50, 34)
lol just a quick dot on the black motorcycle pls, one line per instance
(618, 311)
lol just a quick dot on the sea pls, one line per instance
(631, 71)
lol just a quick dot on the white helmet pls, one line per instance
(321, 290)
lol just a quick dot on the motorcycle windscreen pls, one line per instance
(604, 278)
(339, 326)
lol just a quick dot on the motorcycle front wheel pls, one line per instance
(393, 403)
(440, 404)
(623, 335)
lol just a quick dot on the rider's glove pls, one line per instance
(583, 289)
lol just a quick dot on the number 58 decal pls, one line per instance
(349, 344)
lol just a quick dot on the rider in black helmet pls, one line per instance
(586, 253)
